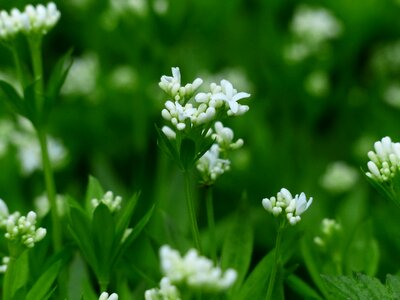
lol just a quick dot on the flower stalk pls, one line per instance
(211, 222)
(192, 211)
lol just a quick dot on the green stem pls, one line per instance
(35, 46)
(18, 66)
(277, 261)
(192, 211)
(51, 191)
(211, 222)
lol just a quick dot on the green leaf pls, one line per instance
(57, 77)
(359, 260)
(237, 249)
(187, 153)
(126, 213)
(302, 288)
(393, 285)
(13, 99)
(360, 287)
(42, 290)
(256, 285)
(79, 225)
(31, 110)
(16, 277)
(103, 230)
(93, 191)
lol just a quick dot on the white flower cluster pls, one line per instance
(211, 165)
(106, 296)
(167, 291)
(113, 203)
(195, 271)
(385, 161)
(311, 27)
(23, 229)
(203, 109)
(33, 20)
(284, 202)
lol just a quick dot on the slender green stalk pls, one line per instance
(277, 261)
(211, 222)
(51, 191)
(17, 63)
(192, 211)
(35, 46)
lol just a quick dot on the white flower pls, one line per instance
(328, 228)
(231, 97)
(167, 291)
(224, 137)
(195, 271)
(284, 201)
(172, 86)
(113, 203)
(211, 166)
(385, 161)
(106, 296)
(23, 228)
(3, 267)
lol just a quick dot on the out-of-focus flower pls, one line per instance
(317, 83)
(339, 177)
(284, 202)
(124, 78)
(3, 267)
(392, 94)
(195, 271)
(167, 291)
(42, 205)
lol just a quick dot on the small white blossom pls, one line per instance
(328, 228)
(285, 202)
(231, 97)
(224, 137)
(23, 228)
(384, 161)
(211, 166)
(106, 296)
(167, 291)
(3, 267)
(195, 271)
(113, 203)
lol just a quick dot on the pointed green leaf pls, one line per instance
(103, 230)
(93, 191)
(187, 153)
(255, 286)
(13, 99)
(302, 288)
(126, 213)
(237, 249)
(57, 77)
(42, 288)
(16, 277)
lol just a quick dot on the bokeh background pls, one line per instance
(325, 85)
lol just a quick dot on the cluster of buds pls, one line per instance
(113, 203)
(3, 267)
(23, 229)
(203, 108)
(167, 291)
(195, 271)
(285, 202)
(329, 227)
(106, 296)
(384, 161)
(211, 165)
(33, 20)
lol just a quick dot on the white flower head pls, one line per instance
(384, 161)
(339, 177)
(23, 229)
(285, 202)
(211, 166)
(113, 203)
(106, 296)
(195, 271)
(224, 137)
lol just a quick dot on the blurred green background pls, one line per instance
(306, 113)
